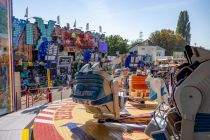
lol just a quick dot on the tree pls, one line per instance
(168, 40)
(135, 42)
(183, 26)
(116, 43)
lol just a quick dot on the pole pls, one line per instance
(49, 95)
(61, 94)
(16, 104)
(48, 78)
(26, 98)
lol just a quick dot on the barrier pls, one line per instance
(28, 99)
(35, 95)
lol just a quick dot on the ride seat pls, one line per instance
(137, 84)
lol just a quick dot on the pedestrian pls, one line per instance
(37, 80)
(69, 80)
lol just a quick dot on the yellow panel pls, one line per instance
(25, 134)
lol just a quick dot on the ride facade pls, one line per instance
(46, 44)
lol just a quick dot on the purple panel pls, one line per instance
(103, 47)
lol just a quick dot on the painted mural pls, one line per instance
(5, 98)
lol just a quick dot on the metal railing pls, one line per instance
(32, 96)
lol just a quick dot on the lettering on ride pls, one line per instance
(64, 112)
(84, 93)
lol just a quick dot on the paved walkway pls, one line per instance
(67, 120)
(11, 125)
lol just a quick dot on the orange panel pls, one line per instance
(137, 83)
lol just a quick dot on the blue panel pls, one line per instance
(104, 100)
(202, 122)
(152, 93)
(159, 136)
(81, 134)
(17, 30)
(89, 87)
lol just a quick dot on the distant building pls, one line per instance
(178, 55)
(149, 51)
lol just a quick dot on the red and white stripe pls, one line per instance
(44, 128)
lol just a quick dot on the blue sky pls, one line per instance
(124, 17)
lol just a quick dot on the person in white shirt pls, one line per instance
(69, 80)
(37, 79)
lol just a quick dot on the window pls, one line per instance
(158, 54)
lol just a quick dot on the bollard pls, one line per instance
(26, 92)
(49, 95)
(61, 95)
(16, 104)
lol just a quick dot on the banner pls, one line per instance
(5, 58)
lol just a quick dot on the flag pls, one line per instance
(75, 23)
(58, 20)
(87, 26)
(26, 14)
(100, 29)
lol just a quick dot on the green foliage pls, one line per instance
(116, 43)
(183, 26)
(168, 40)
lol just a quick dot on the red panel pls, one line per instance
(46, 132)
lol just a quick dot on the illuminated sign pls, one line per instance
(64, 60)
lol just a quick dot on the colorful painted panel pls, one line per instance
(5, 59)
(45, 30)
(29, 34)
(17, 29)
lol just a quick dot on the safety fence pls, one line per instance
(31, 97)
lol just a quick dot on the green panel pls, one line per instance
(29, 34)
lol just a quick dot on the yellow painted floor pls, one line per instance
(73, 122)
